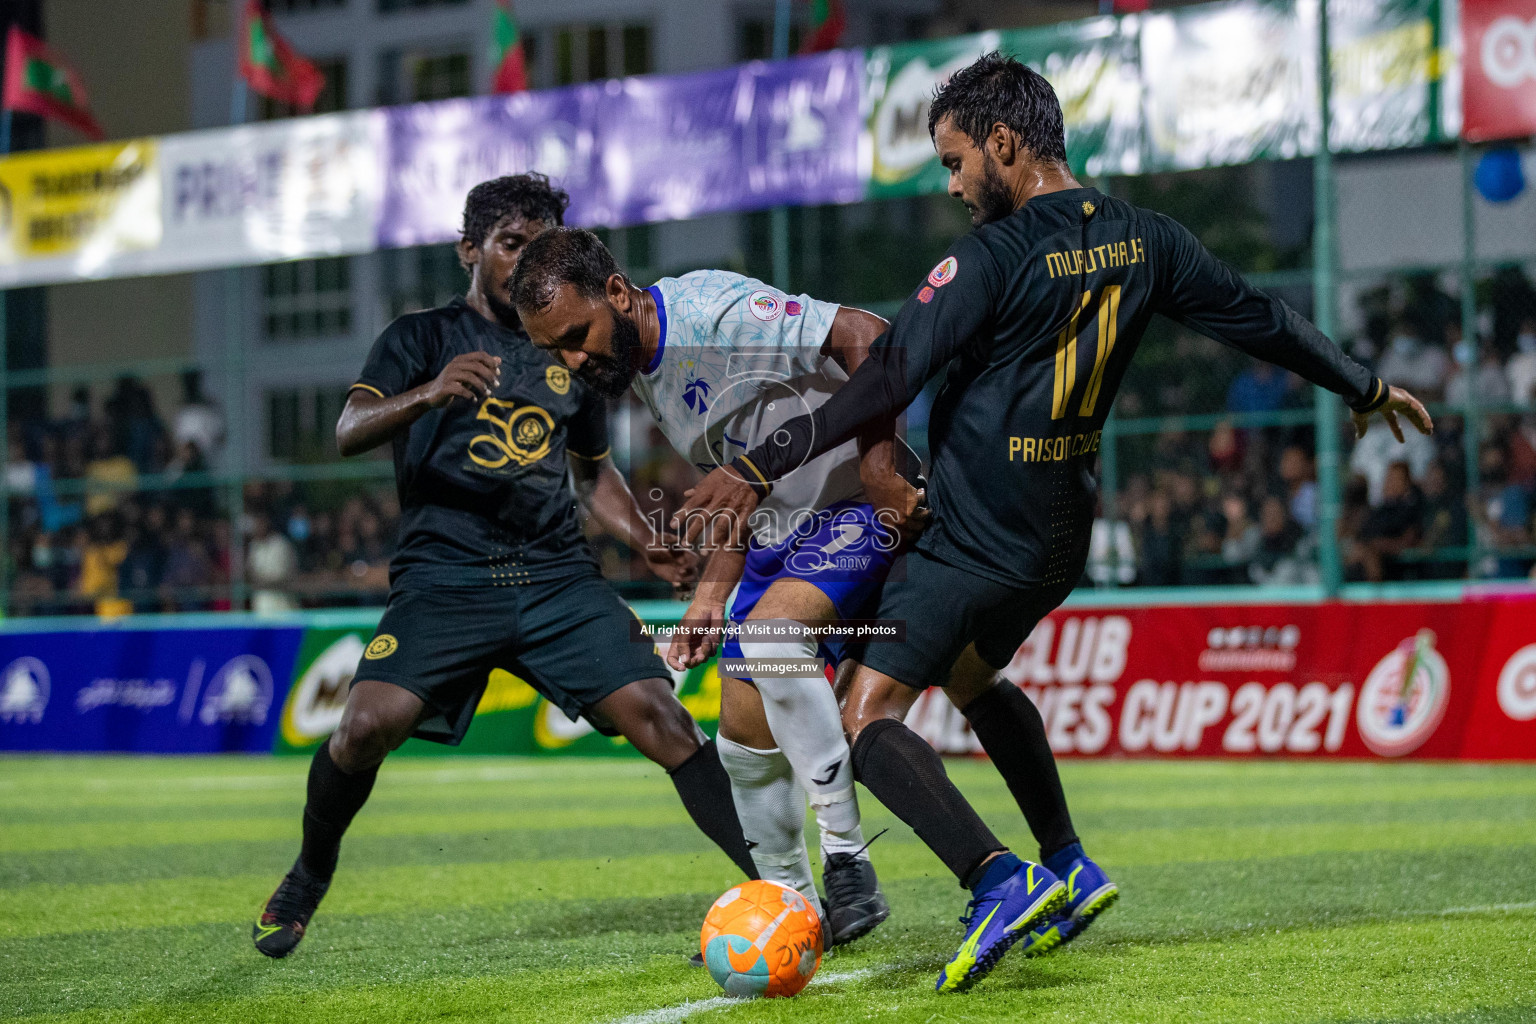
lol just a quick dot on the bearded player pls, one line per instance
(492, 569)
(1036, 315)
(722, 360)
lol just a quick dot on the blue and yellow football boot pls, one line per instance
(997, 918)
(1089, 894)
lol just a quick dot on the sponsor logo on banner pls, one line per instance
(138, 694)
(764, 305)
(240, 693)
(1404, 698)
(1499, 69)
(24, 691)
(1517, 685)
(69, 212)
(302, 187)
(1509, 51)
(1250, 649)
(317, 700)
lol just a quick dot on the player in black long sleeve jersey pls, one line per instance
(493, 570)
(1035, 315)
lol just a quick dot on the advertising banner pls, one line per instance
(68, 213)
(512, 717)
(169, 691)
(744, 138)
(304, 187)
(1230, 83)
(1380, 680)
(635, 150)
(434, 153)
(1498, 68)
(1387, 69)
(1092, 65)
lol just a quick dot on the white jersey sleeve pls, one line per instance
(736, 359)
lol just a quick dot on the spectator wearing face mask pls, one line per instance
(1487, 385)
(1522, 365)
(1414, 364)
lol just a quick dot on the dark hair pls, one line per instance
(529, 196)
(1000, 89)
(559, 256)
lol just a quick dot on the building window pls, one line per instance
(301, 423)
(333, 96)
(389, 6)
(437, 76)
(307, 298)
(424, 277)
(589, 52)
(755, 40)
(292, 6)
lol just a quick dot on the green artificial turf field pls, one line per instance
(485, 889)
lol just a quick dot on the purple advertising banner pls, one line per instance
(635, 150)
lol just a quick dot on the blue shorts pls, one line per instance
(843, 551)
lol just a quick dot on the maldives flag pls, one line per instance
(269, 65)
(828, 20)
(511, 68)
(39, 81)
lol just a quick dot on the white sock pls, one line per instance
(772, 812)
(803, 716)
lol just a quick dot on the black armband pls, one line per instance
(748, 471)
(1376, 397)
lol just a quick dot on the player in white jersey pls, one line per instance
(721, 361)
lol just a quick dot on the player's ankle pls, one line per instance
(992, 872)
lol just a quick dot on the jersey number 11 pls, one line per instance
(1066, 354)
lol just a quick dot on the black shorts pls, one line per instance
(946, 609)
(570, 638)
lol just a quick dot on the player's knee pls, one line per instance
(783, 641)
(364, 738)
(658, 725)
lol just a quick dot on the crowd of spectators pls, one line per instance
(1239, 503)
(114, 509)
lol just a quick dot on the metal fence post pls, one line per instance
(1324, 271)
(1109, 466)
(1471, 423)
(778, 218)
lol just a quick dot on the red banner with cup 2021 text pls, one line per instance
(1338, 679)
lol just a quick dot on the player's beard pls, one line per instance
(993, 200)
(610, 375)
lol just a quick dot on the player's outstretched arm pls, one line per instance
(1398, 401)
(369, 419)
(899, 505)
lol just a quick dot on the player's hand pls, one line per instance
(696, 636)
(674, 563)
(470, 376)
(1398, 401)
(721, 499)
(898, 505)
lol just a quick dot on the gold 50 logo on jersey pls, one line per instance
(521, 437)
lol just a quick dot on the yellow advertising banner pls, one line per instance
(83, 206)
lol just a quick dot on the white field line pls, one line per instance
(1488, 908)
(682, 1011)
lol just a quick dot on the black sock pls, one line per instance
(334, 799)
(907, 775)
(1013, 735)
(705, 790)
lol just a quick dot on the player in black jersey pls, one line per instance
(1036, 315)
(492, 568)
